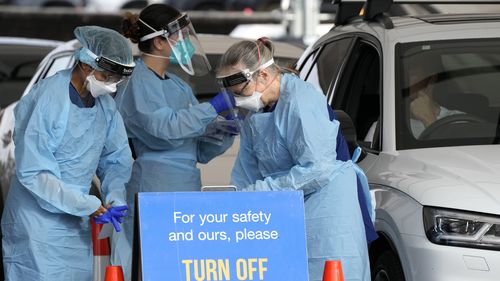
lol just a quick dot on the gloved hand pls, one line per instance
(222, 102)
(114, 215)
(232, 124)
(231, 116)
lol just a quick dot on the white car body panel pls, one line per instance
(465, 178)
(402, 182)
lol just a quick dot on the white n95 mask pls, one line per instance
(99, 88)
(253, 102)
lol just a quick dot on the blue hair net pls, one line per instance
(102, 42)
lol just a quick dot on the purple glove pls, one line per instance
(113, 215)
(222, 102)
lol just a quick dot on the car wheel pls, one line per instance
(387, 268)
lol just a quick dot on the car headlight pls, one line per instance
(463, 229)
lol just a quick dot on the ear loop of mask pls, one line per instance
(268, 85)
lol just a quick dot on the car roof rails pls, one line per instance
(346, 10)
(369, 10)
(373, 10)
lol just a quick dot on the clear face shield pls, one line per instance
(186, 49)
(109, 77)
(236, 85)
(232, 121)
(228, 122)
(231, 82)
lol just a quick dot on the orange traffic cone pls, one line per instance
(101, 252)
(333, 271)
(114, 273)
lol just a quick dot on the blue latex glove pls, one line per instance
(231, 116)
(113, 215)
(234, 127)
(222, 102)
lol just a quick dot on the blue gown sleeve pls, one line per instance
(245, 170)
(150, 119)
(38, 130)
(115, 164)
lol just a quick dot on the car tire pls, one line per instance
(387, 268)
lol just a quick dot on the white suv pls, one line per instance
(436, 184)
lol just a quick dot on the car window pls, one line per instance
(358, 92)
(18, 63)
(449, 92)
(59, 63)
(305, 68)
(328, 62)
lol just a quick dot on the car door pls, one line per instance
(347, 70)
(322, 66)
(358, 90)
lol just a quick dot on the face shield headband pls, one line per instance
(186, 50)
(112, 66)
(171, 28)
(241, 77)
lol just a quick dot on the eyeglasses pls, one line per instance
(242, 89)
(111, 78)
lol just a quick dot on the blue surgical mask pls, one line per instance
(184, 49)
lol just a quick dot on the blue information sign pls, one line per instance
(195, 236)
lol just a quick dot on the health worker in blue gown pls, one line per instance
(289, 143)
(164, 120)
(67, 129)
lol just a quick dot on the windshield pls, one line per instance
(448, 93)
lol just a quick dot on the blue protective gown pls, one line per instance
(59, 147)
(364, 198)
(163, 120)
(293, 148)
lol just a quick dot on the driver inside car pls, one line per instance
(424, 110)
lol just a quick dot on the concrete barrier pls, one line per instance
(58, 23)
